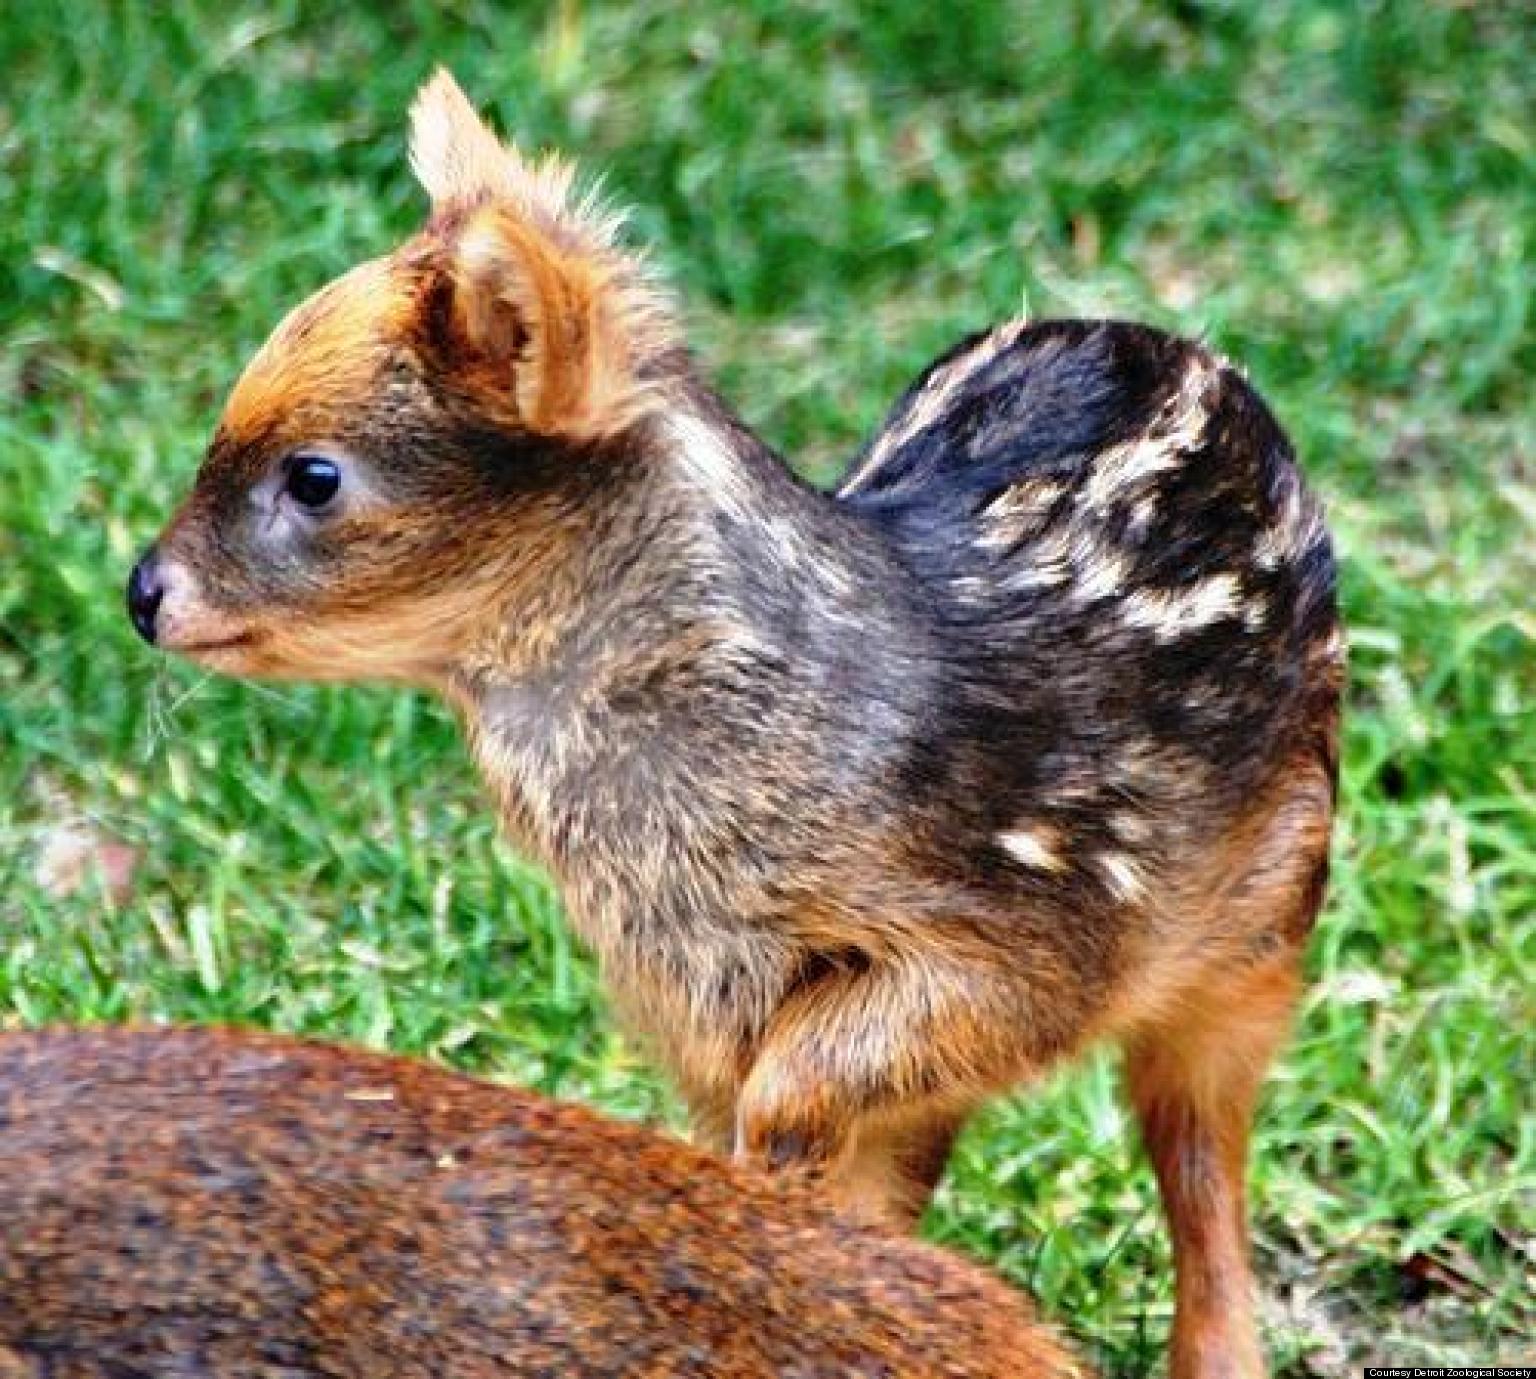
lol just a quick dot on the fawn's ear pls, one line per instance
(457, 157)
(558, 318)
(453, 153)
(548, 326)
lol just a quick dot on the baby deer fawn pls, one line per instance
(184, 1203)
(869, 804)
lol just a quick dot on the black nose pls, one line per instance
(145, 591)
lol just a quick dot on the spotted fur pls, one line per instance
(870, 804)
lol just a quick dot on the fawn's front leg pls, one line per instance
(867, 1073)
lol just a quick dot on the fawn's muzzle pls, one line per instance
(146, 591)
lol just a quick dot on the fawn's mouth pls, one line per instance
(241, 640)
(218, 644)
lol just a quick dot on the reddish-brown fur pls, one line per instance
(240, 1206)
(870, 805)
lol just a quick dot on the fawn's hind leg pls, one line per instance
(1194, 1079)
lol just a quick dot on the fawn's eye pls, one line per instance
(312, 481)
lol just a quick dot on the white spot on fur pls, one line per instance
(1143, 510)
(1019, 508)
(1170, 613)
(1044, 563)
(1100, 574)
(1038, 847)
(1070, 555)
(1176, 430)
(928, 406)
(1123, 876)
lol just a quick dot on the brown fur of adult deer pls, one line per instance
(239, 1206)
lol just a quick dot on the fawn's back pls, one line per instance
(213, 1203)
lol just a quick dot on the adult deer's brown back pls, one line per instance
(237, 1206)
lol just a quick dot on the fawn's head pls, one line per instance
(416, 440)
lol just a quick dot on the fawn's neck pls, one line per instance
(719, 637)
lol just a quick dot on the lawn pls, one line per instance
(1341, 197)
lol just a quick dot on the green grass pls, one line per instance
(1341, 197)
